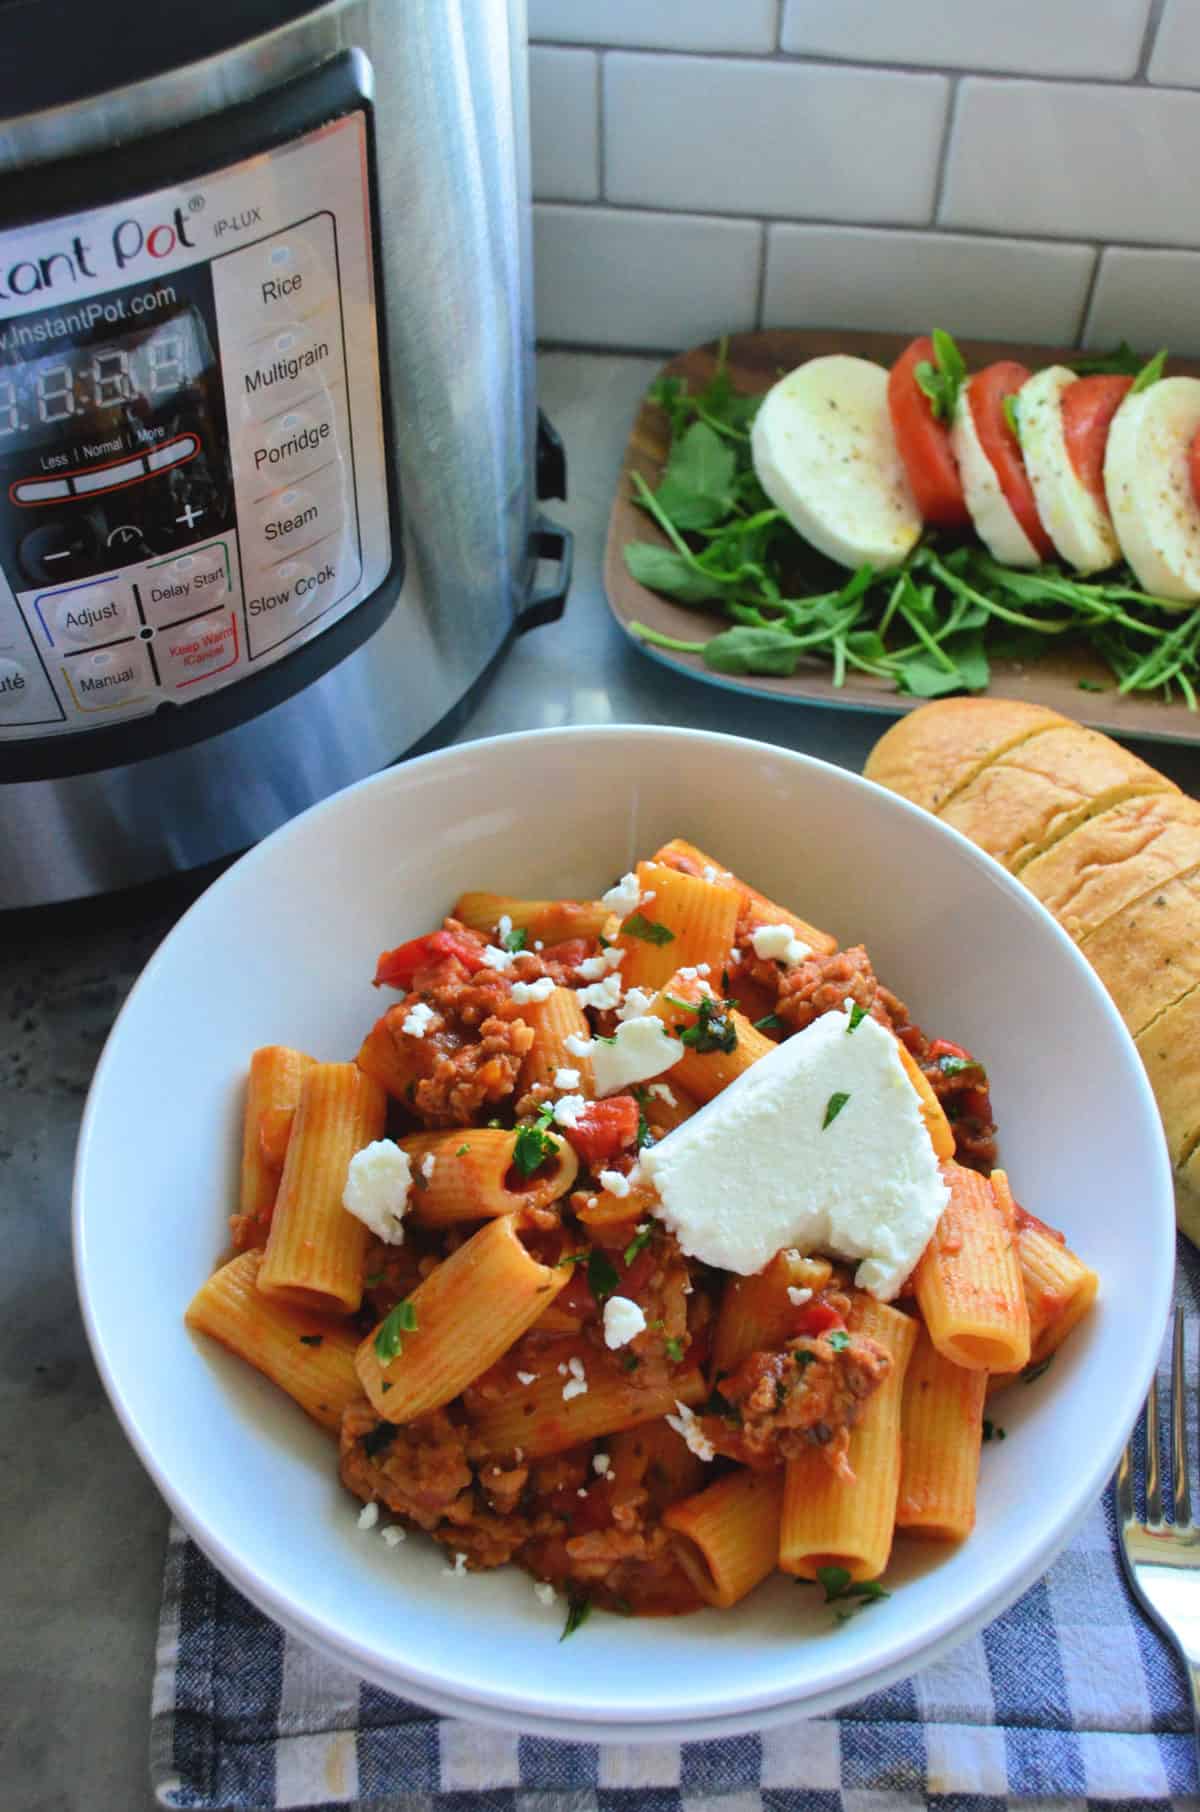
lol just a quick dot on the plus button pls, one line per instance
(189, 515)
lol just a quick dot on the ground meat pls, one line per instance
(823, 984)
(805, 1395)
(417, 1471)
(473, 1075)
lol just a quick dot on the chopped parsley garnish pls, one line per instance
(673, 1000)
(724, 981)
(578, 1609)
(388, 1336)
(631, 1362)
(1150, 373)
(462, 1150)
(942, 378)
(956, 1066)
(311, 1339)
(857, 1014)
(717, 1405)
(533, 1144)
(645, 1138)
(833, 1108)
(573, 1258)
(638, 1243)
(713, 1030)
(838, 1584)
(770, 1022)
(638, 925)
(602, 1274)
(992, 1431)
(376, 1277)
(380, 1438)
(839, 1340)
(1011, 416)
(516, 939)
(1032, 1373)
(674, 1349)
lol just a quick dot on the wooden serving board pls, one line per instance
(756, 360)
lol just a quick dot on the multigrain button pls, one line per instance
(288, 363)
(110, 678)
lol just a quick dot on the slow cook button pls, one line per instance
(94, 613)
(179, 588)
(197, 650)
(284, 599)
(110, 678)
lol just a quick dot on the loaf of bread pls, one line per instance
(1107, 844)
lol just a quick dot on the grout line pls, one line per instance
(1089, 297)
(601, 118)
(760, 294)
(939, 186)
(1149, 38)
(779, 5)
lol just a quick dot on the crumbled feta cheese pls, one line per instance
(544, 1592)
(593, 967)
(541, 989)
(576, 1385)
(582, 1491)
(615, 1182)
(685, 1424)
(538, 944)
(495, 958)
(417, 1020)
(567, 1079)
(647, 897)
(376, 1191)
(798, 1297)
(394, 1534)
(708, 873)
(662, 1093)
(368, 1516)
(780, 942)
(637, 1003)
(623, 898)
(562, 1368)
(623, 1321)
(504, 928)
(600, 1463)
(459, 1569)
(567, 1110)
(763, 1167)
(580, 1047)
(427, 1164)
(642, 1048)
(601, 995)
(526, 1377)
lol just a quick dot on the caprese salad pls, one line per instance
(975, 500)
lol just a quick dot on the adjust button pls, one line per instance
(109, 679)
(89, 614)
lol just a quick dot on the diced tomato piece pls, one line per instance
(817, 1318)
(986, 394)
(942, 1047)
(603, 1129)
(924, 442)
(397, 968)
(1088, 406)
(570, 953)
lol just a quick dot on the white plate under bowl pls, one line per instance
(282, 948)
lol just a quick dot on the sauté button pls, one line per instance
(14, 688)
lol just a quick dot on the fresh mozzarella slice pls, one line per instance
(825, 454)
(1149, 485)
(1075, 520)
(995, 523)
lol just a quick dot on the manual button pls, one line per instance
(110, 678)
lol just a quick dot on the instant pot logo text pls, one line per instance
(131, 242)
(71, 323)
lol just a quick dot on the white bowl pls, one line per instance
(282, 949)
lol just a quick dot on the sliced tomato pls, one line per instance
(1088, 406)
(603, 1129)
(817, 1318)
(924, 443)
(397, 968)
(1194, 467)
(986, 394)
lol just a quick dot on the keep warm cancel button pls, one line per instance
(197, 650)
(288, 596)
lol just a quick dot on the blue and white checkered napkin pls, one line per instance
(1070, 1699)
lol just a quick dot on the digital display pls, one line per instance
(69, 388)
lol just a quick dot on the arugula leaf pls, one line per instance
(602, 1275)
(942, 380)
(833, 1108)
(662, 570)
(579, 1607)
(638, 925)
(638, 1243)
(1150, 373)
(533, 1144)
(388, 1342)
(697, 485)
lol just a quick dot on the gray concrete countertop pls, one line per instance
(82, 1530)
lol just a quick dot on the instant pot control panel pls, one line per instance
(192, 471)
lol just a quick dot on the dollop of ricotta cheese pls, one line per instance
(376, 1192)
(642, 1048)
(819, 1146)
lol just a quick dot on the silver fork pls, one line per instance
(1161, 1560)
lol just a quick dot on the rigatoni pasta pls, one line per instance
(479, 1274)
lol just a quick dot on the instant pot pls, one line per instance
(270, 457)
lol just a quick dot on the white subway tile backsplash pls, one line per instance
(736, 25)
(1028, 37)
(606, 278)
(1075, 161)
(1148, 298)
(564, 123)
(772, 138)
(1176, 55)
(827, 276)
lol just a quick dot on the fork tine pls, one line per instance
(1179, 1442)
(1153, 1480)
(1125, 1485)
